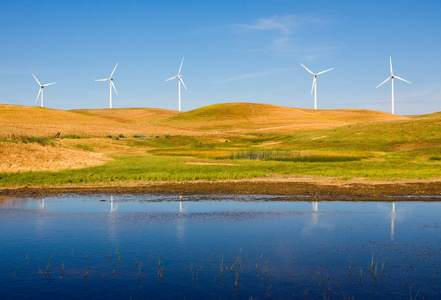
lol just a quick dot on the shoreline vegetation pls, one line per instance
(231, 148)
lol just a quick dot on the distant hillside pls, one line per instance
(243, 117)
(38, 121)
(214, 119)
(436, 115)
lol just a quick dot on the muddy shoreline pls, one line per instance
(349, 191)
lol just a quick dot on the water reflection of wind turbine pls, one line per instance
(111, 203)
(315, 213)
(112, 228)
(314, 223)
(42, 203)
(180, 220)
(392, 221)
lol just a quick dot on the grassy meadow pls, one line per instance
(218, 142)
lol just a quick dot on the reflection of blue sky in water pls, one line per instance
(297, 238)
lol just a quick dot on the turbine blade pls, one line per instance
(172, 78)
(39, 91)
(182, 81)
(37, 80)
(383, 82)
(179, 72)
(402, 79)
(325, 71)
(48, 84)
(113, 70)
(107, 79)
(307, 69)
(111, 82)
(314, 82)
(391, 71)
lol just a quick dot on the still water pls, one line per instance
(218, 247)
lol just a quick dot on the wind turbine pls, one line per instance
(40, 91)
(392, 76)
(110, 79)
(314, 83)
(179, 76)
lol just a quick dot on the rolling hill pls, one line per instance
(255, 117)
(37, 121)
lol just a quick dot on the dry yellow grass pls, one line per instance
(130, 115)
(256, 117)
(99, 145)
(355, 115)
(37, 121)
(436, 115)
(18, 157)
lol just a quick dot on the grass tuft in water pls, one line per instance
(139, 268)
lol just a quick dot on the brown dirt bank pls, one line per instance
(327, 190)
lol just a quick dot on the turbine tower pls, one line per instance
(314, 83)
(179, 76)
(110, 79)
(392, 76)
(40, 91)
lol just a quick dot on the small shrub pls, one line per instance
(122, 136)
(116, 138)
(84, 147)
(109, 136)
(38, 140)
(71, 136)
(167, 136)
(157, 137)
(435, 158)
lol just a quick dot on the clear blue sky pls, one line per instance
(235, 51)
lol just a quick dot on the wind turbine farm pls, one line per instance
(251, 184)
(255, 100)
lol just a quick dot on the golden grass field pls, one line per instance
(89, 136)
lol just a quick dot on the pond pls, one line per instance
(218, 247)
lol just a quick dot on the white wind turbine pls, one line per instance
(392, 76)
(110, 79)
(40, 91)
(314, 83)
(179, 76)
